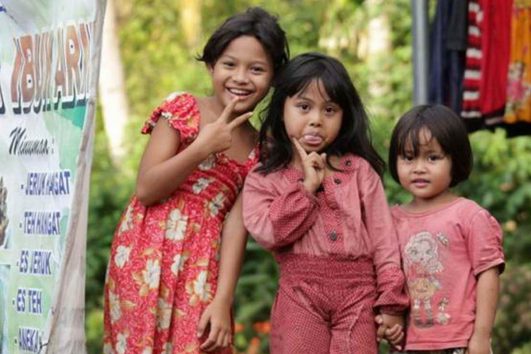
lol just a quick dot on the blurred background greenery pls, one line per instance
(158, 41)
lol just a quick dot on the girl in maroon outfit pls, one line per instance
(317, 202)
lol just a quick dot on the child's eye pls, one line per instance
(435, 157)
(303, 107)
(228, 64)
(257, 69)
(407, 157)
(331, 110)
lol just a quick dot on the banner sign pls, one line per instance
(49, 62)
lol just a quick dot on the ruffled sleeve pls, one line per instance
(181, 111)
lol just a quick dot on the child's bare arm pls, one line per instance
(487, 291)
(162, 170)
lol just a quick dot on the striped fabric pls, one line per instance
(472, 76)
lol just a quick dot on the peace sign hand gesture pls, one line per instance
(217, 136)
(314, 167)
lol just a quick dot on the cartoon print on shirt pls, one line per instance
(422, 264)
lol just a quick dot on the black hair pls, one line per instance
(354, 136)
(445, 126)
(255, 22)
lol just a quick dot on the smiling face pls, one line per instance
(427, 176)
(312, 118)
(244, 70)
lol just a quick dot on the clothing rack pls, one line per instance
(481, 68)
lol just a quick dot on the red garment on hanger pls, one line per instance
(487, 58)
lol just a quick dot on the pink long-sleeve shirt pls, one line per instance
(349, 216)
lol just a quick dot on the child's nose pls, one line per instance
(241, 75)
(315, 119)
(418, 165)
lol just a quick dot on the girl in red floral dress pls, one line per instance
(175, 256)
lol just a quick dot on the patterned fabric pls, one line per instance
(164, 260)
(445, 351)
(348, 217)
(518, 106)
(443, 252)
(323, 306)
(472, 76)
(487, 59)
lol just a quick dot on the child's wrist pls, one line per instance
(224, 298)
(199, 150)
(483, 333)
(310, 187)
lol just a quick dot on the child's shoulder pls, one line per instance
(468, 207)
(178, 104)
(180, 109)
(462, 207)
(275, 175)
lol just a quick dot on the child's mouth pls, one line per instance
(311, 139)
(420, 182)
(239, 92)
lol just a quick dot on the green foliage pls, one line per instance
(94, 332)
(513, 324)
(501, 183)
(256, 293)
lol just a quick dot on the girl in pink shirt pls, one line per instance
(451, 247)
(316, 201)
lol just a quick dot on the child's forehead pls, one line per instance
(314, 87)
(422, 139)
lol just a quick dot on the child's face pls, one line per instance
(428, 175)
(244, 70)
(312, 118)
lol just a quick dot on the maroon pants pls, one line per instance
(324, 305)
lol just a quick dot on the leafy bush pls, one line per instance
(513, 321)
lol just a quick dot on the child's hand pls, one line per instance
(217, 319)
(390, 328)
(478, 345)
(217, 136)
(314, 166)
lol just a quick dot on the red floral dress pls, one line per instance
(164, 261)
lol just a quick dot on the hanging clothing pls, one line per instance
(495, 27)
(448, 38)
(487, 60)
(472, 75)
(518, 108)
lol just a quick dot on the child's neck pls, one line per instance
(210, 109)
(420, 205)
(296, 163)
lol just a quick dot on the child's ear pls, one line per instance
(210, 68)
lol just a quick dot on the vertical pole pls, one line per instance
(420, 51)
